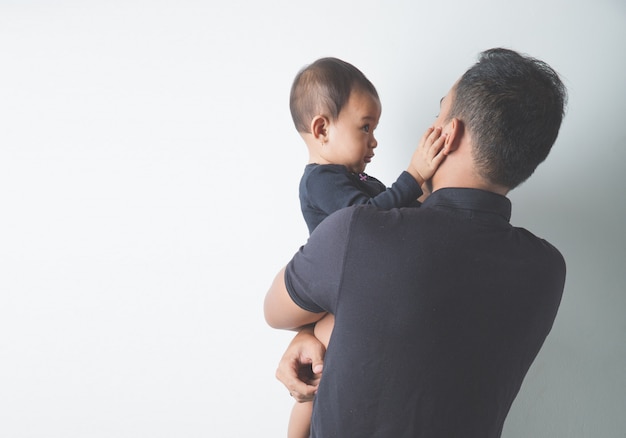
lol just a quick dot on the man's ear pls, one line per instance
(454, 132)
(319, 128)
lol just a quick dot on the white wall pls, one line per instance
(148, 193)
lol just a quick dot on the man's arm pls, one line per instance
(301, 366)
(280, 310)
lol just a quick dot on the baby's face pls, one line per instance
(351, 140)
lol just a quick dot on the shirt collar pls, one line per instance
(471, 199)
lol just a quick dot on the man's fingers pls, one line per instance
(300, 391)
(301, 385)
(317, 366)
(301, 398)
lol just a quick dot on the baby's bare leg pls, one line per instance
(300, 420)
(324, 328)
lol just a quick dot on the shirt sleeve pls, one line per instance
(313, 276)
(402, 193)
(332, 190)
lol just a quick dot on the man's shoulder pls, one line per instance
(541, 245)
(339, 223)
(368, 216)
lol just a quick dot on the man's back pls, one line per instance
(439, 313)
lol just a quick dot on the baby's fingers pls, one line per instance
(437, 143)
(425, 141)
(433, 137)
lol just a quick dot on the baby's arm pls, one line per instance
(428, 156)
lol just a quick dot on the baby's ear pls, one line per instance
(319, 128)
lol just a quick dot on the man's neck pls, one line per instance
(459, 173)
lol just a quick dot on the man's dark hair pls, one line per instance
(324, 87)
(512, 106)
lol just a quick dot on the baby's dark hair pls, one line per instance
(324, 87)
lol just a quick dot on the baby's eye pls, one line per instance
(366, 128)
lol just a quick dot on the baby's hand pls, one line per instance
(428, 155)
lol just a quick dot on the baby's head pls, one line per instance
(324, 87)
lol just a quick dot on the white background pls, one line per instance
(148, 195)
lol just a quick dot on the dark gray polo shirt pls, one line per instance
(439, 313)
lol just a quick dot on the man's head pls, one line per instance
(324, 88)
(511, 106)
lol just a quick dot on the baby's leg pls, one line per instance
(324, 328)
(300, 420)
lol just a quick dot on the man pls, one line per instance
(439, 311)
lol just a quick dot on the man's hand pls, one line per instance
(300, 368)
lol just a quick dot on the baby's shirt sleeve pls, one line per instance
(331, 190)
